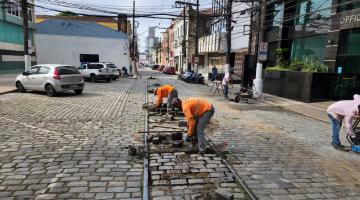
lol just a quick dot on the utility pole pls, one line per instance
(258, 82)
(168, 47)
(197, 38)
(27, 56)
(184, 40)
(183, 4)
(228, 31)
(160, 46)
(133, 42)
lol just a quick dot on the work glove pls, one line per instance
(188, 139)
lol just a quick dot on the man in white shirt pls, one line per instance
(225, 82)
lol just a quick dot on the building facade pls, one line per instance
(213, 46)
(12, 39)
(322, 30)
(74, 42)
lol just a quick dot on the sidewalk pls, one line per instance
(7, 83)
(316, 110)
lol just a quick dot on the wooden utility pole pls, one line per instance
(197, 37)
(27, 56)
(228, 31)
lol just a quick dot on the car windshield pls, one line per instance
(66, 70)
(111, 66)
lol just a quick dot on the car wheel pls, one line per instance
(20, 88)
(93, 78)
(114, 78)
(108, 80)
(79, 91)
(50, 91)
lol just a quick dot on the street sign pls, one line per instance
(263, 47)
(263, 52)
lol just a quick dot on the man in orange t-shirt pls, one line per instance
(198, 113)
(165, 91)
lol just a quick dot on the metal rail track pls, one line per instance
(146, 179)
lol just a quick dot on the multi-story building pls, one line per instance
(12, 39)
(186, 62)
(323, 30)
(213, 45)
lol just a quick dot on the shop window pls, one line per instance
(310, 11)
(345, 5)
(348, 52)
(309, 48)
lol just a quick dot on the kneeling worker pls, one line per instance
(198, 113)
(165, 91)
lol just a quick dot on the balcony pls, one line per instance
(212, 43)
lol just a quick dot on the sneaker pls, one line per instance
(339, 147)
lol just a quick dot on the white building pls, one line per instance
(74, 42)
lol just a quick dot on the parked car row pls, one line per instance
(190, 77)
(57, 78)
(164, 69)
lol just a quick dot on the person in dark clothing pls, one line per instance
(124, 71)
(214, 72)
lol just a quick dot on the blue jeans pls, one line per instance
(336, 126)
(226, 90)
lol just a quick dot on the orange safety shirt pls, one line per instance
(194, 108)
(162, 92)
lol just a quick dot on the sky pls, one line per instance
(125, 6)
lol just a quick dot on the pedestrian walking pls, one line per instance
(198, 113)
(225, 82)
(165, 91)
(341, 111)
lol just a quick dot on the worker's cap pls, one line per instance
(176, 102)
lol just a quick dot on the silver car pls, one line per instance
(50, 78)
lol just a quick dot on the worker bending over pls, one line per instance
(198, 113)
(343, 111)
(165, 91)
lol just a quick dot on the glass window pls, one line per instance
(310, 11)
(68, 70)
(345, 5)
(44, 70)
(95, 66)
(309, 47)
(278, 14)
(33, 70)
(82, 67)
(111, 66)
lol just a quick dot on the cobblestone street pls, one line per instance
(75, 147)
(72, 146)
(279, 154)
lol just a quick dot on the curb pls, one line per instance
(9, 91)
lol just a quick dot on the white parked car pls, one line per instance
(50, 78)
(96, 71)
(116, 71)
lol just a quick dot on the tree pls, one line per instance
(67, 13)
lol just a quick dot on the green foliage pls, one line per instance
(280, 56)
(306, 65)
(277, 68)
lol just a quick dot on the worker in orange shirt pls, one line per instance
(165, 91)
(198, 113)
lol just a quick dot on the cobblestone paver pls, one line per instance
(279, 155)
(72, 146)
